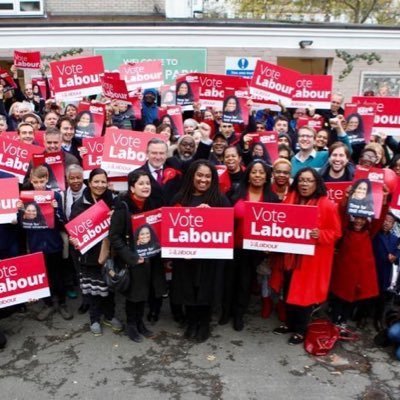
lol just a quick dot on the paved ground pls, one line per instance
(62, 360)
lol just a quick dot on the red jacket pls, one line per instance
(310, 279)
(354, 274)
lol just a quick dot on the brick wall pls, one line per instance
(101, 6)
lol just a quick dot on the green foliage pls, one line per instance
(355, 11)
(349, 59)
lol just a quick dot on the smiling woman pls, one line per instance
(194, 281)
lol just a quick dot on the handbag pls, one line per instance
(117, 279)
(322, 335)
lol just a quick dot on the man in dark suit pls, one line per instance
(166, 172)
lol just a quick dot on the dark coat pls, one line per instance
(144, 276)
(194, 281)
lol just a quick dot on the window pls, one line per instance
(21, 7)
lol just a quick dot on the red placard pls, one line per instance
(114, 88)
(235, 110)
(273, 82)
(41, 84)
(366, 194)
(212, 88)
(92, 159)
(146, 229)
(55, 164)
(197, 232)
(146, 74)
(175, 112)
(15, 156)
(282, 228)
(125, 150)
(9, 195)
(167, 95)
(315, 123)
(387, 113)
(77, 77)
(23, 279)
(270, 140)
(38, 211)
(337, 190)
(314, 91)
(89, 120)
(8, 80)
(27, 59)
(367, 114)
(91, 226)
(187, 91)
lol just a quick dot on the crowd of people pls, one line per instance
(213, 164)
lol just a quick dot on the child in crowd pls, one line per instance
(49, 241)
(354, 275)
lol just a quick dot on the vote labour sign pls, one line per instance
(282, 228)
(15, 156)
(312, 90)
(23, 279)
(336, 191)
(125, 150)
(387, 113)
(92, 159)
(212, 88)
(195, 232)
(114, 89)
(273, 82)
(75, 78)
(9, 195)
(90, 227)
(27, 59)
(146, 74)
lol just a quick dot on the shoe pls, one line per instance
(281, 330)
(95, 328)
(83, 308)
(281, 311)
(134, 334)
(224, 319)
(238, 323)
(203, 333)
(267, 306)
(65, 313)
(45, 313)
(152, 317)
(296, 339)
(343, 330)
(141, 327)
(114, 324)
(3, 340)
(191, 331)
(72, 294)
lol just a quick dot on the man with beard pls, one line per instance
(186, 148)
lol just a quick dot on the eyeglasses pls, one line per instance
(279, 172)
(368, 157)
(307, 181)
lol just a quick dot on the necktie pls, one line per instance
(159, 176)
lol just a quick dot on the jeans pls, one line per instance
(394, 336)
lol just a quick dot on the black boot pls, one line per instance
(238, 323)
(203, 332)
(141, 327)
(192, 323)
(3, 340)
(134, 334)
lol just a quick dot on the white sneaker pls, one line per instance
(95, 328)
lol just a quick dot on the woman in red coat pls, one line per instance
(304, 278)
